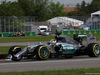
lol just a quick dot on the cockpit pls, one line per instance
(65, 39)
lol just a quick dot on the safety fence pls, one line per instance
(27, 24)
(16, 24)
(71, 32)
(12, 33)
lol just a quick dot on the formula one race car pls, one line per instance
(62, 46)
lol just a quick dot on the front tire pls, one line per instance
(68, 56)
(14, 50)
(93, 50)
(42, 52)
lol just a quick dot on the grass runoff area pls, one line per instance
(26, 39)
(90, 71)
(34, 38)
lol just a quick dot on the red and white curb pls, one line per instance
(5, 59)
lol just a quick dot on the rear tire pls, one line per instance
(93, 50)
(42, 52)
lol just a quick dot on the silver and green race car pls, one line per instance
(61, 46)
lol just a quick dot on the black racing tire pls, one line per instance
(68, 56)
(42, 52)
(93, 50)
(14, 50)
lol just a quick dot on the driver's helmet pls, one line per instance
(52, 41)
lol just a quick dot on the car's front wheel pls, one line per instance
(42, 52)
(14, 50)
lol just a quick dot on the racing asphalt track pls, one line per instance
(50, 64)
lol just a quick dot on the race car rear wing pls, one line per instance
(91, 39)
(79, 38)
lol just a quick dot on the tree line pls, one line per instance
(85, 9)
(45, 9)
(40, 9)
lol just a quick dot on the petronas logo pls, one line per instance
(68, 32)
(90, 32)
(95, 32)
(79, 32)
(62, 33)
(84, 32)
(74, 32)
(31, 34)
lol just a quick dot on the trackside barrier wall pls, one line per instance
(71, 32)
(27, 34)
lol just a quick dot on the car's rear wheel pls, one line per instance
(42, 52)
(93, 50)
(14, 50)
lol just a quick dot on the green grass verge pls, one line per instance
(90, 71)
(34, 38)
(4, 50)
(97, 37)
(26, 39)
